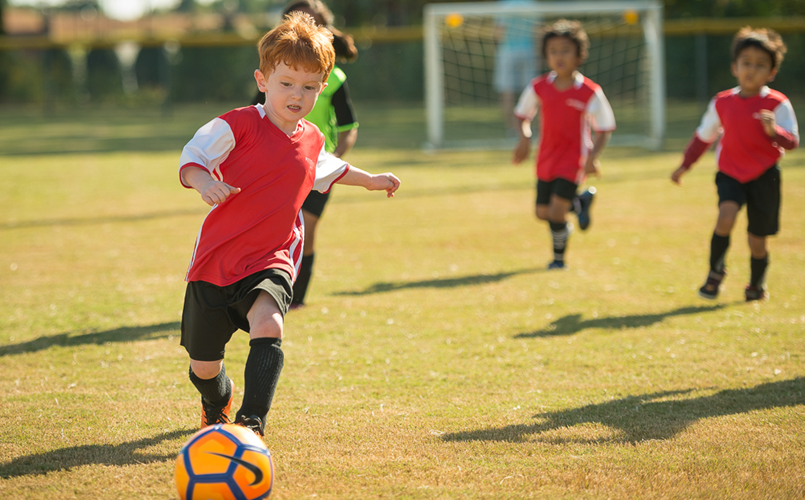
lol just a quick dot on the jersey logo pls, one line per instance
(258, 474)
(575, 103)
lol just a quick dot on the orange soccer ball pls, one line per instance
(224, 462)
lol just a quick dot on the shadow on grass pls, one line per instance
(122, 334)
(87, 221)
(572, 323)
(477, 279)
(92, 454)
(641, 418)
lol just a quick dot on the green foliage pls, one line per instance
(733, 8)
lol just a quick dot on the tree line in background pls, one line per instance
(409, 12)
(389, 71)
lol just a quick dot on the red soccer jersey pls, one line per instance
(565, 122)
(745, 150)
(261, 227)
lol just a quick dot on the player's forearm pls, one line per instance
(356, 177)
(195, 177)
(784, 138)
(599, 143)
(346, 140)
(523, 128)
(696, 148)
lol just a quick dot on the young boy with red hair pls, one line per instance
(255, 166)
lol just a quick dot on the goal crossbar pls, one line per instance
(651, 19)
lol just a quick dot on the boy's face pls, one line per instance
(753, 69)
(562, 55)
(290, 94)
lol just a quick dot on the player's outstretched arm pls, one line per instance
(387, 182)
(593, 166)
(212, 192)
(523, 147)
(676, 176)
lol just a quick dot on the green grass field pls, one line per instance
(437, 359)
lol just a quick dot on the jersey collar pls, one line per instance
(578, 80)
(764, 91)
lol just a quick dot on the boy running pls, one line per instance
(571, 106)
(756, 125)
(255, 166)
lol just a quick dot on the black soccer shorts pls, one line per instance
(213, 313)
(761, 196)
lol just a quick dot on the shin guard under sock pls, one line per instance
(718, 252)
(261, 375)
(758, 267)
(560, 232)
(216, 390)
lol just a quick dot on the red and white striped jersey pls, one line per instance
(261, 227)
(565, 122)
(746, 150)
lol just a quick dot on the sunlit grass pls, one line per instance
(436, 358)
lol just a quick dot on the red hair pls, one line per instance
(299, 43)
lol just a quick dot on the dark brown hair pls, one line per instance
(571, 30)
(764, 39)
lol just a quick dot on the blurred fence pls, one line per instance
(218, 66)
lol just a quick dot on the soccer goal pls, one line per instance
(462, 40)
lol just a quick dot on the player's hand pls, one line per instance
(592, 167)
(521, 151)
(677, 175)
(768, 122)
(216, 192)
(387, 182)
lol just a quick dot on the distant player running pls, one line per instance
(756, 125)
(571, 105)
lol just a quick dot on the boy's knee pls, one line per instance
(206, 369)
(270, 326)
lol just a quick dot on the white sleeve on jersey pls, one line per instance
(328, 170)
(209, 147)
(528, 104)
(784, 117)
(600, 112)
(710, 127)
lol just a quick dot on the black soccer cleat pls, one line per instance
(557, 264)
(252, 422)
(710, 288)
(755, 293)
(212, 415)
(585, 200)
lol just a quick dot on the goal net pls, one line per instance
(464, 103)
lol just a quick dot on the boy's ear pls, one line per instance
(772, 75)
(260, 78)
(323, 86)
(734, 69)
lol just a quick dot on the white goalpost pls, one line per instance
(461, 40)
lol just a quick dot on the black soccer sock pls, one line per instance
(718, 252)
(262, 373)
(303, 279)
(216, 390)
(758, 267)
(560, 231)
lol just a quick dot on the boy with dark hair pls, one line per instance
(571, 105)
(255, 166)
(756, 125)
